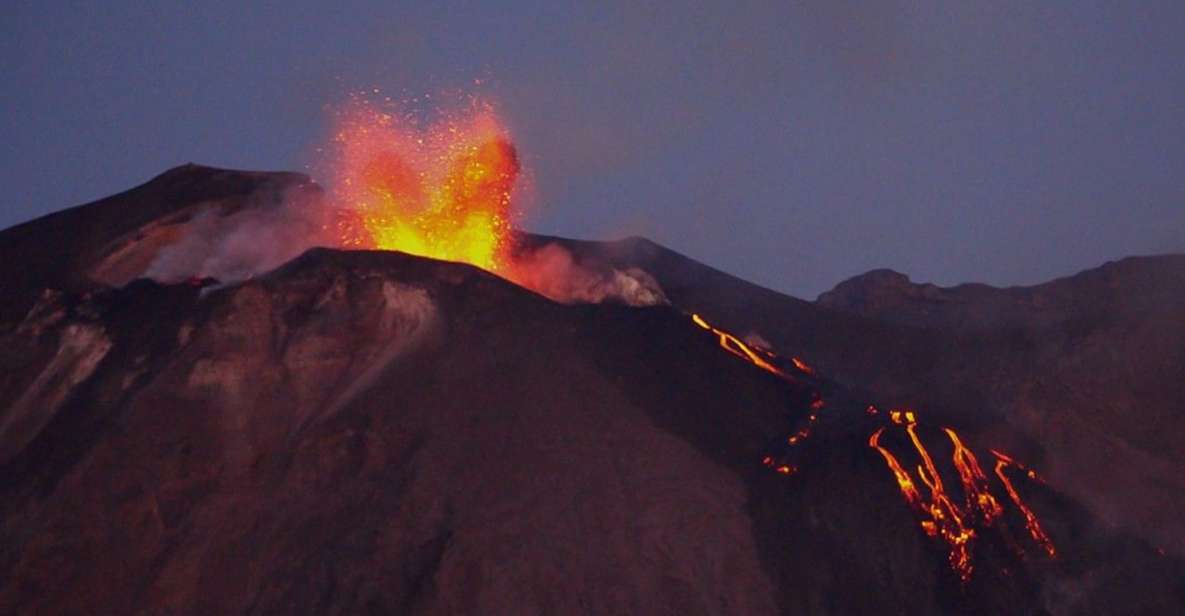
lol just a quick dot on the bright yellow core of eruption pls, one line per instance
(442, 192)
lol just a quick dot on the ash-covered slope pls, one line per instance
(373, 432)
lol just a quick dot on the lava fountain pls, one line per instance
(441, 190)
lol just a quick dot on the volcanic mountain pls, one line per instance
(196, 419)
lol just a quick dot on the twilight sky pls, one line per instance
(1006, 142)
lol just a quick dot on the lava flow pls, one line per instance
(768, 361)
(940, 515)
(975, 486)
(443, 191)
(1031, 522)
(760, 358)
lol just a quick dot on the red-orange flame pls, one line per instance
(443, 191)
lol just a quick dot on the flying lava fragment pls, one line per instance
(441, 190)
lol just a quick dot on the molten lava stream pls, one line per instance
(733, 345)
(945, 519)
(764, 359)
(908, 489)
(975, 485)
(1031, 522)
(940, 516)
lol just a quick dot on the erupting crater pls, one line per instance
(442, 191)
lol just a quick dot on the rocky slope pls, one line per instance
(1085, 374)
(366, 432)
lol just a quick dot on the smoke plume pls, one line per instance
(261, 236)
(552, 271)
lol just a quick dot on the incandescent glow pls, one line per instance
(957, 524)
(939, 515)
(945, 519)
(441, 191)
(975, 486)
(1031, 522)
(733, 345)
(908, 489)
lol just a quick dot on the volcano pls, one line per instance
(200, 420)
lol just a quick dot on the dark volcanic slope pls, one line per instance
(372, 432)
(59, 250)
(1084, 375)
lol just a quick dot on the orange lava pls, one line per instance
(940, 516)
(908, 489)
(975, 485)
(1031, 522)
(733, 345)
(441, 191)
(945, 519)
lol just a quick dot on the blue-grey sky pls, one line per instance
(791, 143)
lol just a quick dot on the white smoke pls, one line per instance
(258, 238)
(553, 272)
(758, 341)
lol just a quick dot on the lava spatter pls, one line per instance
(441, 190)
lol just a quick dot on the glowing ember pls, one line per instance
(441, 191)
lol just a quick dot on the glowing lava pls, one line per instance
(975, 486)
(732, 344)
(441, 191)
(1031, 522)
(940, 516)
